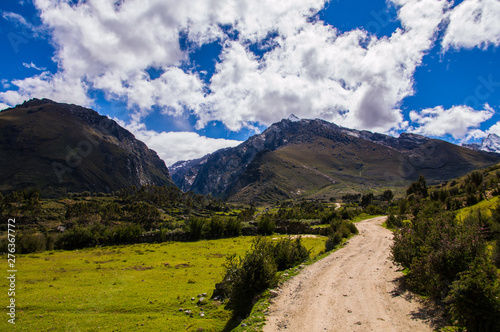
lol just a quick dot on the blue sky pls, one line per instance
(191, 77)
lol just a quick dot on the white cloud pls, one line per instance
(110, 44)
(456, 121)
(18, 19)
(354, 79)
(56, 87)
(28, 28)
(33, 66)
(312, 70)
(495, 129)
(473, 23)
(175, 146)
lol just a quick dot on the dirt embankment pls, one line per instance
(353, 289)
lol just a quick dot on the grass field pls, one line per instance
(125, 288)
(484, 206)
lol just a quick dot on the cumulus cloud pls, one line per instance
(473, 23)
(3, 106)
(455, 121)
(46, 85)
(306, 67)
(495, 129)
(175, 146)
(354, 78)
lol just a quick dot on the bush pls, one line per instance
(332, 241)
(195, 228)
(393, 222)
(288, 253)
(374, 210)
(495, 257)
(474, 299)
(436, 250)
(247, 277)
(28, 242)
(352, 228)
(216, 228)
(339, 230)
(233, 228)
(75, 238)
(128, 233)
(266, 225)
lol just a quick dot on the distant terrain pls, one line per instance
(316, 159)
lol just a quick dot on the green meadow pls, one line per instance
(484, 206)
(139, 287)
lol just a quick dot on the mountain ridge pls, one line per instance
(322, 156)
(57, 146)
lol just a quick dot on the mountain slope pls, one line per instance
(58, 147)
(314, 157)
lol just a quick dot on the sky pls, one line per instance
(190, 77)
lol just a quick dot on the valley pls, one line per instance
(124, 242)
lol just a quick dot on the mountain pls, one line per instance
(62, 147)
(314, 158)
(491, 143)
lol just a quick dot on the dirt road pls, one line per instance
(353, 289)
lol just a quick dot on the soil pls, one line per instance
(357, 288)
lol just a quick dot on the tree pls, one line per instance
(418, 188)
(367, 200)
(387, 195)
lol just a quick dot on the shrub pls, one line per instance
(128, 233)
(332, 241)
(75, 238)
(495, 257)
(28, 242)
(436, 250)
(474, 299)
(215, 228)
(233, 228)
(374, 210)
(266, 225)
(393, 222)
(247, 277)
(339, 229)
(195, 228)
(288, 253)
(352, 228)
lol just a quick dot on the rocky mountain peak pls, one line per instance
(491, 143)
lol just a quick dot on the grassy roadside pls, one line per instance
(123, 288)
(257, 318)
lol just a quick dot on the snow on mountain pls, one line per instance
(491, 143)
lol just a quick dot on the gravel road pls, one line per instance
(353, 289)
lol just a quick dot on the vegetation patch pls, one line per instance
(447, 258)
(134, 291)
